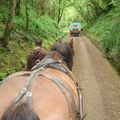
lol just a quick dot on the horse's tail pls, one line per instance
(19, 112)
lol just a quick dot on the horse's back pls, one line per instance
(48, 100)
(10, 88)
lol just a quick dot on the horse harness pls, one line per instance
(37, 70)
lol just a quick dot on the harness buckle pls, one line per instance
(24, 90)
(29, 93)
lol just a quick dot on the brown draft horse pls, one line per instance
(47, 92)
(66, 50)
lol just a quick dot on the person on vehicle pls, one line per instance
(36, 55)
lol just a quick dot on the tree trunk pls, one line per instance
(60, 10)
(27, 15)
(60, 15)
(1, 2)
(9, 24)
(17, 10)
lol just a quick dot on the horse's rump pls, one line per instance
(49, 102)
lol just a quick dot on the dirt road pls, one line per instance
(99, 81)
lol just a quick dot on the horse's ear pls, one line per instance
(71, 43)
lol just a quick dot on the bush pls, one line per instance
(108, 29)
(21, 42)
(2, 75)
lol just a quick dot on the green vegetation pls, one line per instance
(21, 22)
(21, 42)
(100, 20)
(107, 32)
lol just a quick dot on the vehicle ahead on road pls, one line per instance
(75, 29)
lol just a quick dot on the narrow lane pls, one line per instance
(100, 82)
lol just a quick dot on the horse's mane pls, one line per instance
(19, 112)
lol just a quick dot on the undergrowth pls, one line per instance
(106, 30)
(21, 42)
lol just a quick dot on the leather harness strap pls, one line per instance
(56, 64)
(44, 63)
(26, 90)
(62, 68)
(65, 90)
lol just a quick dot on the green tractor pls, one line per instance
(75, 29)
